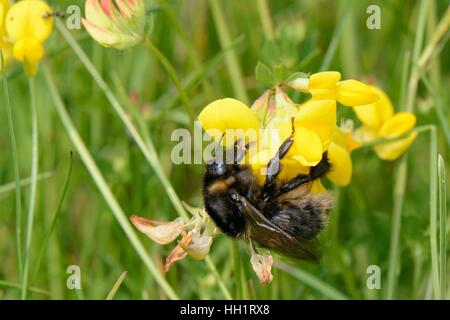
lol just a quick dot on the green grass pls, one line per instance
(393, 215)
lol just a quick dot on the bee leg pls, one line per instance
(315, 172)
(274, 167)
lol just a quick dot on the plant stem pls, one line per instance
(418, 41)
(116, 286)
(266, 21)
(54, 220)
(311, 281)
(442, 226)
(331, 50)
(15, 160)
(434, 213)
(231, 59)
(6, 284)
(34, 171)
(173, 75)
(399, 196)
(237, 270)
(104, 188)
(24, 182)
(148, 150)
(222, 285)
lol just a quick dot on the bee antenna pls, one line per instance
(218, 144)
(293, 125)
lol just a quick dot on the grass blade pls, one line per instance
(310, 280)
(231, 58)
(12, 136)
(442, 225)
(116, 286)
(399, 198)
(55, 218)
(6, 284)
(104, 188)
(34, 171)
(8, 187)
(434, 212)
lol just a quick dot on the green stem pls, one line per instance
(237, 270)
(54, 220)
(222, 285)
(116, 286)
(173, 75)
(142, 127)
(34, 172)
(434, 212)
(15, 161)
(331, 50)
(231, 59)
(266, 21)
(148, 150)
(399, 196)
(104, 188)
(6, 284)
(311, 281)
(380, 141)
(418, 41)
(442, 226)
(24, 182)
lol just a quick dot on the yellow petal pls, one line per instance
(230, 114)
(324, 80)
(320, 117)
(258, 164)
(392, 150)
(354, 93)
(341, 165)
(373, 115)
(317, 187)
(26, 19)
(307, 147)
(30, 52)
(291, 169)
(398, 124)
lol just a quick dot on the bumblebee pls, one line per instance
(283, 217)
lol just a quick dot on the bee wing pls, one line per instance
(269, 235)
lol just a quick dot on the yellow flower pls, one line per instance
(118, 25)
(326, 85)
(339, 157)
(314, 125)
(380, 121)
(27, 28)
(231, 114)
(5, 47)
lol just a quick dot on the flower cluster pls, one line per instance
(273, 118)
(115, 24)
(196, 235)
(24, 27)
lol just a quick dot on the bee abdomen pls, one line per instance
(302, 218)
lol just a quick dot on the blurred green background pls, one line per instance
(309, 35)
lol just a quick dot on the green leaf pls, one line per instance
(263, 74)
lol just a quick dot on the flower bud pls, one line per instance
(119, 24)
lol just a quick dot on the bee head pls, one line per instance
(216, 169)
